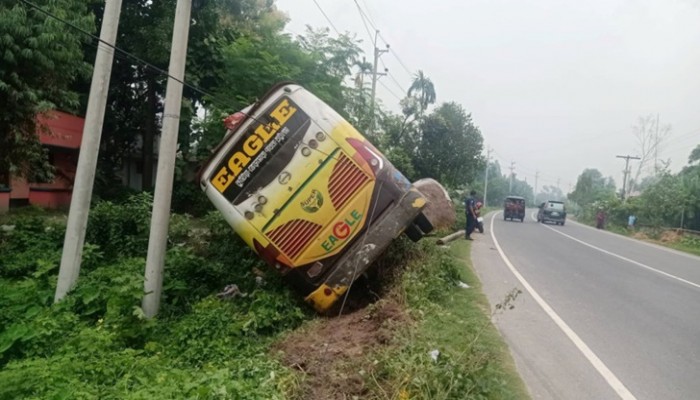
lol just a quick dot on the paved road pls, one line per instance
(600, 316)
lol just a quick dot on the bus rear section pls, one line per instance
(304, 189)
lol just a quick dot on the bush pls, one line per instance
(121, 229)
(188, 198)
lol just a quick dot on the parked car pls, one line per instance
(514, 208)
(552, 211)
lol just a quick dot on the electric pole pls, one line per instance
(157, 240)
(656, 147)
(537, 175)
(375, 76)
(486, 175)
(72, 254)
(626, 171)
(510, 184)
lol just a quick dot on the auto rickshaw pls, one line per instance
(514, 208)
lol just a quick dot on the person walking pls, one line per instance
(600, 219)
(470, 206)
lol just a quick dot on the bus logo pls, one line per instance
(313, 203)
(255, 149)
(341, 230)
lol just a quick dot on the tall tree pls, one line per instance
(450, 146)
(592, 186)
(650, 137)
(423, 90)
(40, 58)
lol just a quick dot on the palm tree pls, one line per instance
(423, 89)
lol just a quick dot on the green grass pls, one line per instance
(474, 361)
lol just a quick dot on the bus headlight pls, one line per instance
(305, 151)
(249, 215)
(313, 144)
(257, 208)
(262, 200)
(320, 136)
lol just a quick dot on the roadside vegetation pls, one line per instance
(666, 205)
(97, 344)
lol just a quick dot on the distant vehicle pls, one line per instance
(552, 211)
(311, 195)
(514, 208)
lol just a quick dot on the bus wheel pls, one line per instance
(423, 223)
(413, 233)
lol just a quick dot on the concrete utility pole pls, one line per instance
(157, 241)
(656, 147)
(486, 175)
(375, 76)
(89, 148)
(537, 175)
(626, 172)
(510, 184)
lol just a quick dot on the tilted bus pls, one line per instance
(304, 189)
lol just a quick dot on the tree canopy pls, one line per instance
(40, 60)
(237, 50)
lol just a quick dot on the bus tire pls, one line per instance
(414, 233)
(423, 223)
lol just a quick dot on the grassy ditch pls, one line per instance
(473, 360)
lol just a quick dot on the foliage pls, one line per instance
(450, 146)
(591, 186)
(451, 320)
(40, 58)
(121, 229)
(96, 342)
(423, 90)
(666, 200)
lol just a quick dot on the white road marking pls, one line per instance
(629, 260)
(602, 369)
(654, 245)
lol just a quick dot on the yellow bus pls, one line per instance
(304, 189)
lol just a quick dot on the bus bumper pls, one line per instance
(366, 249)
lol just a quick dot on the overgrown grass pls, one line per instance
(473, 361)
(96, 343)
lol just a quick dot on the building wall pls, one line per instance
(61, 134)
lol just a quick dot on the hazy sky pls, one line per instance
(555, 85)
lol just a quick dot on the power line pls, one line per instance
(374, 26)
(389, 90)
(120, 53)
(327, 19)
(364, 22)
(392, 77)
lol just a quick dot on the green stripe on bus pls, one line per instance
(279, 211)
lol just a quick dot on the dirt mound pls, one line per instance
(439, 210)
(330, 352)
(640, 236)
(670, 237)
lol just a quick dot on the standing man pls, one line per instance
(470, 206)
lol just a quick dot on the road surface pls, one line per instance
(600, 316)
